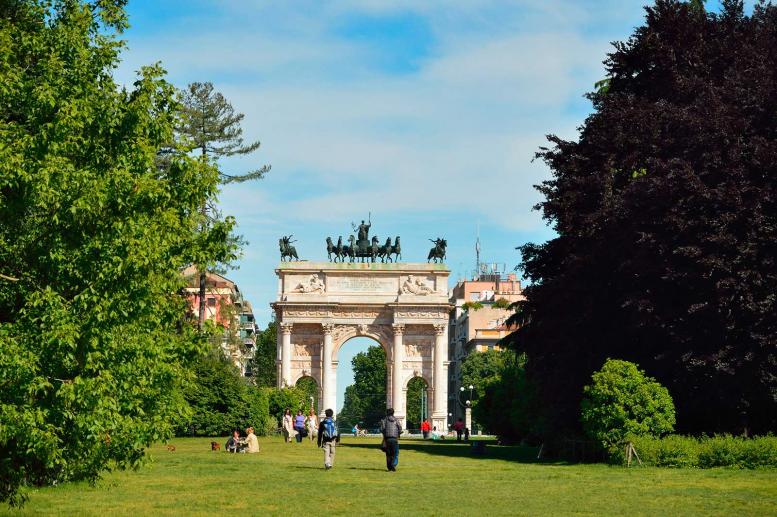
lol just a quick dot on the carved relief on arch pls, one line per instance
(380, 333)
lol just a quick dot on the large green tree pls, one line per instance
(479, 369)
(365, 399)
(666, 214)
(262, 365)
(93, 235)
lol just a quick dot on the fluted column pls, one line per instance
(397, 354)
(439, 414)
(286, 354)
(328, 384)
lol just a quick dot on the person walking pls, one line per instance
(312, 423)
(390, 428)
(459, 428)
(288, 425)
(328, 438)
(299, 425)
(425, 428)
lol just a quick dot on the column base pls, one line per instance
(440, 421)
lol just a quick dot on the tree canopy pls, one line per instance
(666, 215)
(93, 236)
(365, 399)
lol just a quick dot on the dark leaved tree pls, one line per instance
(666, 214)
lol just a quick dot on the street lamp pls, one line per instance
(311, 403)
(467, 406)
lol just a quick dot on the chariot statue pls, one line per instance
(360, 246)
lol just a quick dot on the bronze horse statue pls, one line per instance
(438, 252)
(287, 250)
(330, 249)
(396, 250)
(384, 252)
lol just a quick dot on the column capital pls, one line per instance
(327, 328)
(286, 327)
(398, 328)
(439, 328)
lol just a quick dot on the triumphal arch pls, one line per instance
(402, 306)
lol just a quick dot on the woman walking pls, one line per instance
(312, 423)
(299, 425)
(288, 425)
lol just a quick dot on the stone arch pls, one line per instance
(371, 300)
(344, 333)
(319, 391)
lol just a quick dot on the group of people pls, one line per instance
(390, 428)
(299, 426)
(325, 432)
(236, 443)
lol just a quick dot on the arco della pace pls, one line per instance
(402, 306)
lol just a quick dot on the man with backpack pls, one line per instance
(390, 428)
(328, 438)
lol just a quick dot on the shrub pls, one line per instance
(704, 452)
(622, 401)
(279, 399)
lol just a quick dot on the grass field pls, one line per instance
(433, 479)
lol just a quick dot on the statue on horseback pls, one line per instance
(438, 252)
(287, 250)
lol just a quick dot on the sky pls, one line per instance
(423, 115)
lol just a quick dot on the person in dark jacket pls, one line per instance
(390, 428)
(234, 443)
(328, 438)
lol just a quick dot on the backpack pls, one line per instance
(330, 430)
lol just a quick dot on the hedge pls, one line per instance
(704, 452)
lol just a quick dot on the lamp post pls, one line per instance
(467, 406)
(311, 404)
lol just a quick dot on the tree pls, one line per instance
(262, 365)
(665, 214)
(365, 400)
(479, 369)
(210, 125)
(622, 401)
(221, 401)
(508, 406)
(93, 349)
(309, 387)
(416, 391)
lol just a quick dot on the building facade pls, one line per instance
(477, 323)
(225, 305)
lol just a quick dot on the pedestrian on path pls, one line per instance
(390, 428)
(288, 425)
(425, 428)
(312, 424)
(328, 438)
(299, 426)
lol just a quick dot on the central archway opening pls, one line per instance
(361, 384)
(417, 407)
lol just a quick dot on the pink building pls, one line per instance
(219, 293)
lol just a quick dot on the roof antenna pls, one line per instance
(477, 254)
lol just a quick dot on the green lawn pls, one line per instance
(433, 479)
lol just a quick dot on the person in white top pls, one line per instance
(312, 424)
(252, 443)
(288, 425)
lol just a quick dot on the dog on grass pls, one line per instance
(171, 447)
(215, 446)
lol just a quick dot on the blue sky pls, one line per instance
(426, 114)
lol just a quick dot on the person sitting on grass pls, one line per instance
(252, 443)
(233, 444)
